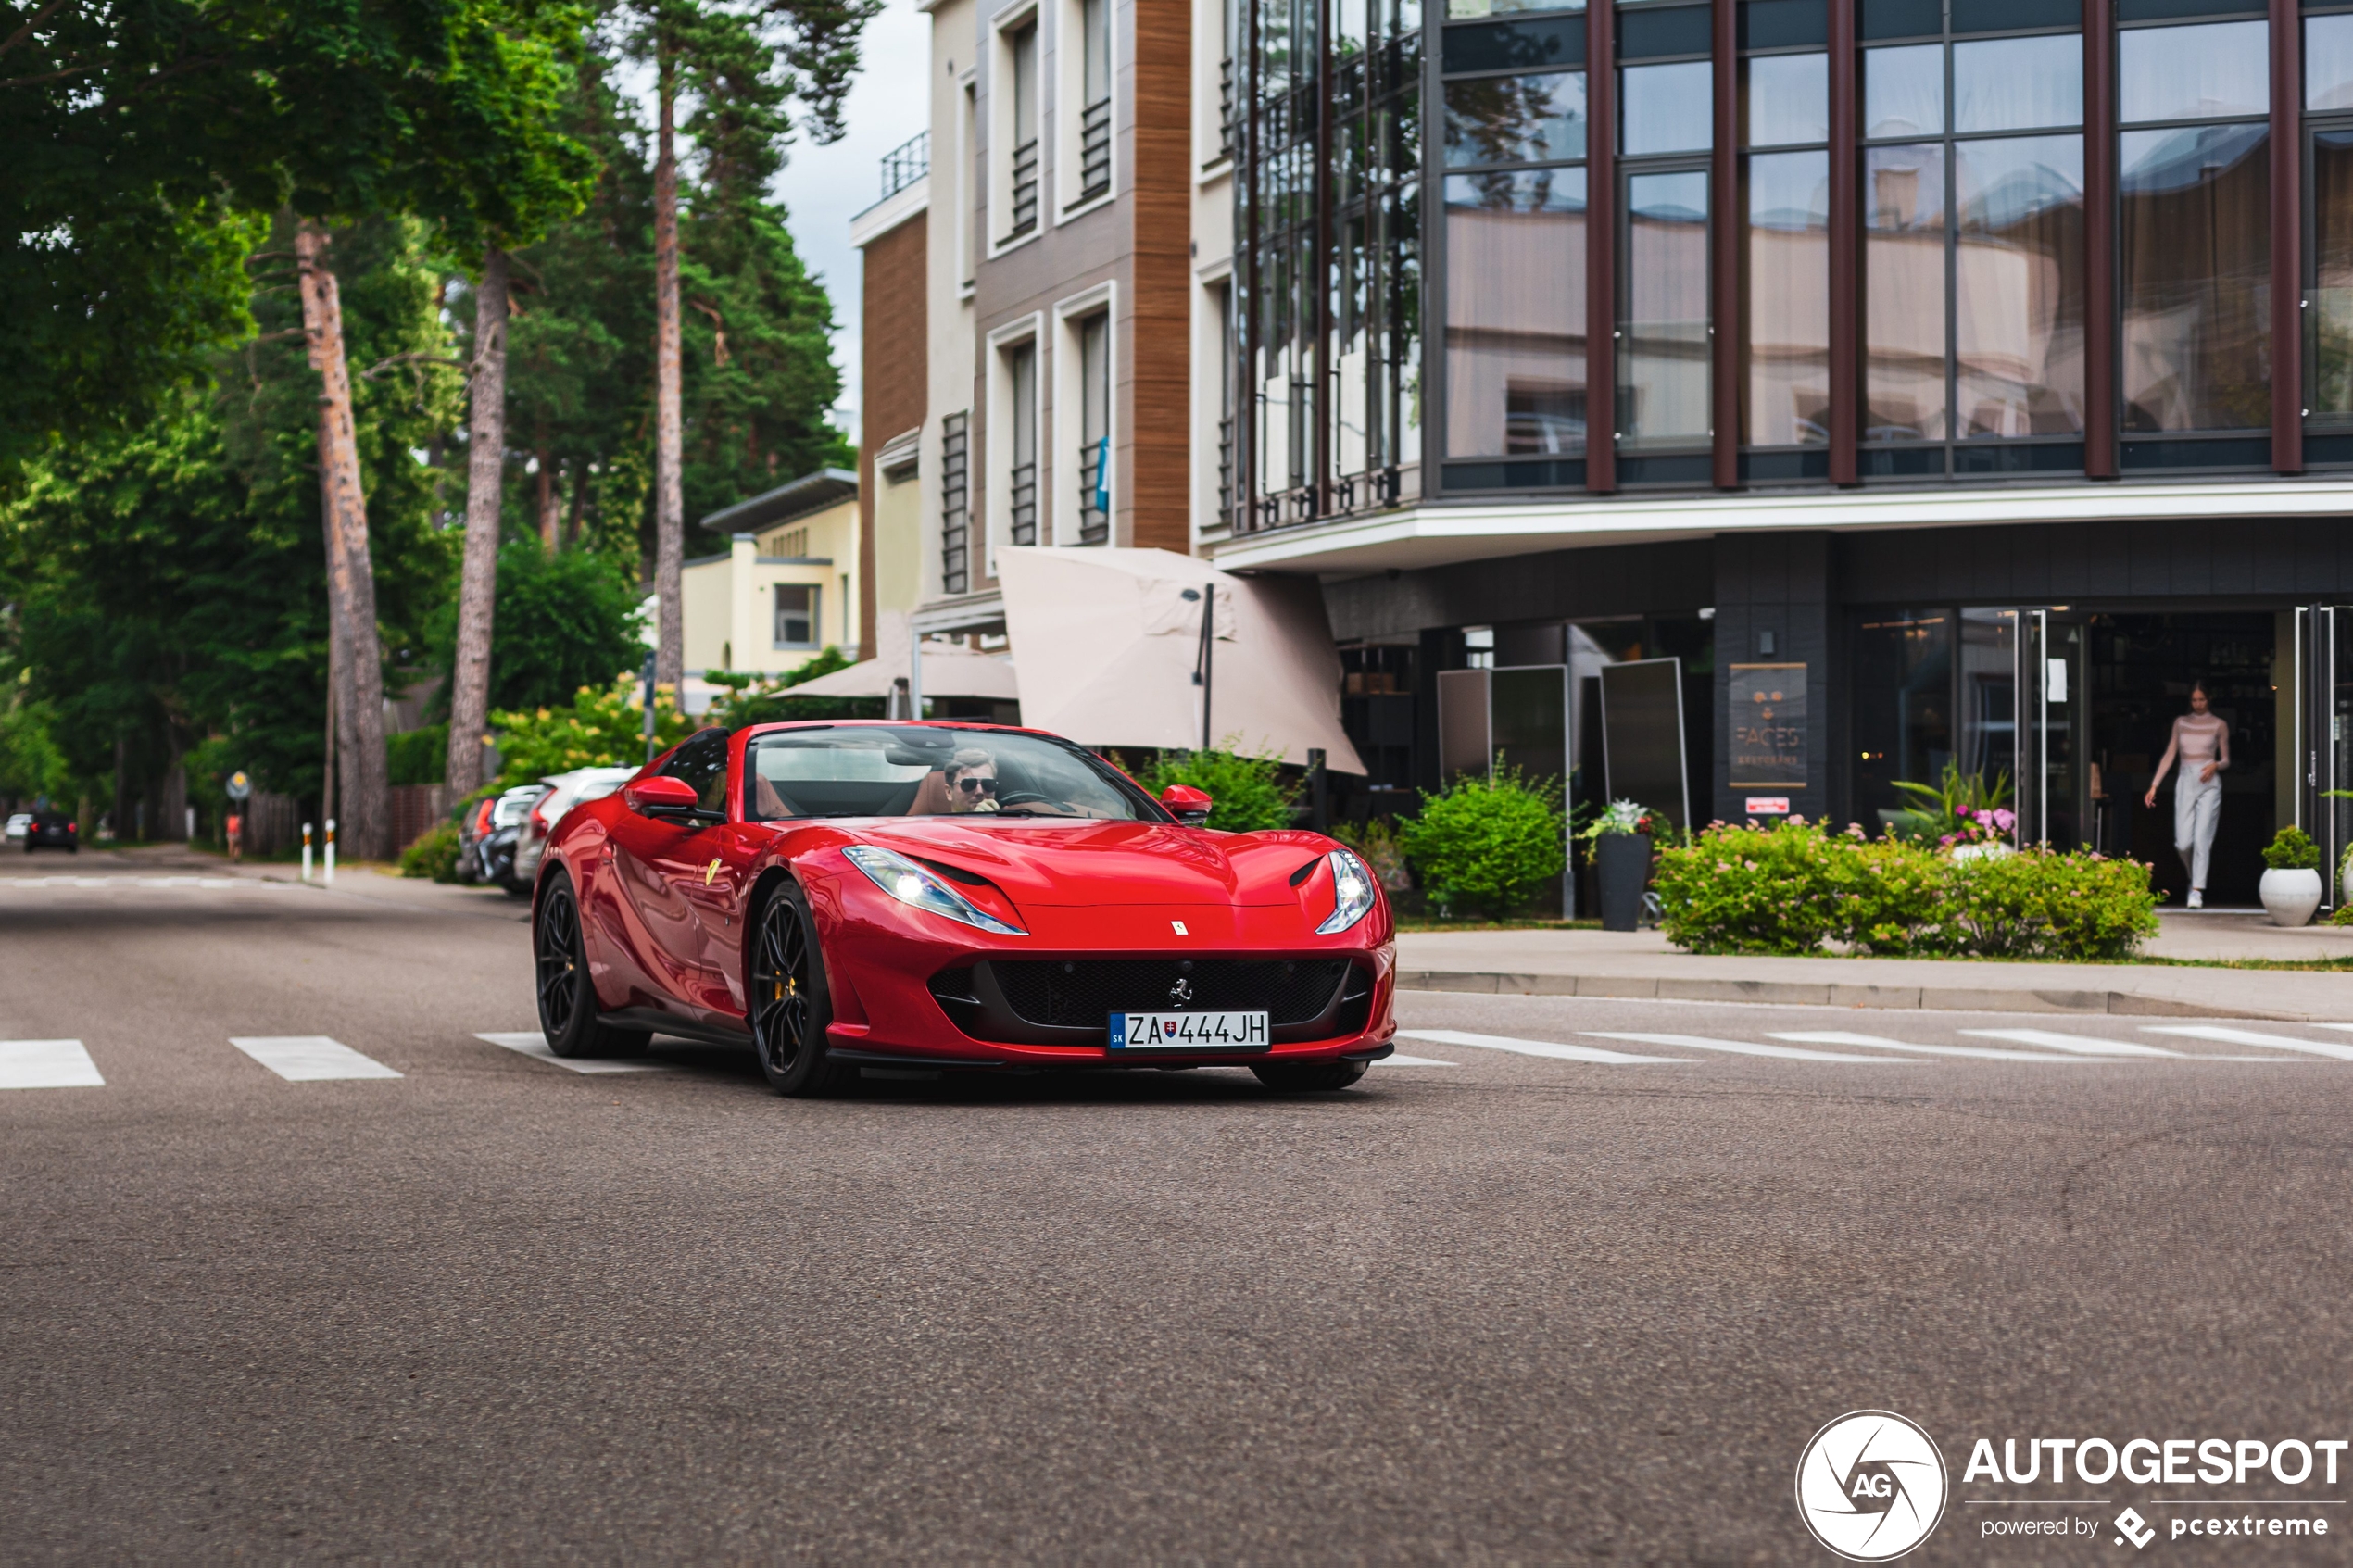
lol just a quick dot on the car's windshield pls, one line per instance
(895, 770)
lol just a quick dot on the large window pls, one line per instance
(1665, 355)
(2194, 239)
(2328, 319)
(1329, 260)
(1785, 343)
(1093, 467)
(1020, 52)
(1021, 472)
(1973, 266)
(797, 615)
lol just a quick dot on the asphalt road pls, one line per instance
(1512, 1307)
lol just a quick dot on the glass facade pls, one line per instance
(1327, 250)
(1703, 246)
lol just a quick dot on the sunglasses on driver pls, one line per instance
(977, 786)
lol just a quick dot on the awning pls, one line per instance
(1109, 645)
(947, 670)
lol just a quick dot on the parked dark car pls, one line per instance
(491, 856)
(53, 829)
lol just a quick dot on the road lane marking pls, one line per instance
(47, 1064)
(1396, 1059)
(1742, 1048)
(536, 1045)
(304, 1059)
(2084, 1045)
(2250, 1037)
(1988, 1053)
(1541, 1048)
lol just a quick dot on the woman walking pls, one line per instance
(2202, 742)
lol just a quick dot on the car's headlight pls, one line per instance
(910, 883)
(1352, 892)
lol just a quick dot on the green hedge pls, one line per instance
(1794, 888)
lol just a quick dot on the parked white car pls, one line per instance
(580, 785)
(16, 824)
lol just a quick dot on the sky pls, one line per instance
(824, 188)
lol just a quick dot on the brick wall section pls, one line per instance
(893, 377)
(1156, 478)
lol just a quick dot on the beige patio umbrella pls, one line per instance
(1110, 644)
(946, 670)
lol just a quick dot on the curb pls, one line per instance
(1791, 993)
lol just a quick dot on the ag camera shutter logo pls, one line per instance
(1871, 1486)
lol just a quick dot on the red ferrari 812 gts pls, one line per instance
(905, 896)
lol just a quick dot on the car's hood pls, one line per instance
(1049, 863)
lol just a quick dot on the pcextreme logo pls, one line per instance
(1871, 1486)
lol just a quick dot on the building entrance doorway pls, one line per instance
(2137, 672)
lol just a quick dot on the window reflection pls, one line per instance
(2196, 249)
(1904, 292)
(2018, 286)
(1515, 119)
(2017, 83)
(1789, 100)
(2331, 333)
(1515, 313)
(2202, 72)
(2328, 63)
(1663, 377)
(1785, 392)
(1456, 9)
(1667, 108)
(1904, 91)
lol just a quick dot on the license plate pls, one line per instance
(1189, 1032)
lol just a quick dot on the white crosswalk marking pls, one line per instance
(536, 1045)
(47, 1064)
(2084, 1044)
(1987, 1053)
(1397, 1058)
(304, 1059)
(1540, 1048)
(2251, 1037)
(1743, 1047)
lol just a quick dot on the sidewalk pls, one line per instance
(1642, 963)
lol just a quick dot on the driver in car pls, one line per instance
(972, 782)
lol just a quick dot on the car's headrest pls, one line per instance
(932, 798)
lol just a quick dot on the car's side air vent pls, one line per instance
(1356, 1001)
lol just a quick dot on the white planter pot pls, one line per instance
(2291, 896)
(2344, 882)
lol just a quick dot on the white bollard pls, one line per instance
(331, 852)
(306, 851)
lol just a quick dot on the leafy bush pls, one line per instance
(601, 729)
(1794, 887)
(562, 621)
(418, 757)
(1247, 793)
(1488, 845)
(435, 855)
(757, 699)
(1958, 809)
(1378, 841)
(2292, 849)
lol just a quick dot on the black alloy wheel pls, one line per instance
(1308, 1077)
(567, 1011)
(791, 1005)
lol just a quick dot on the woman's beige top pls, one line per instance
(2197, 741)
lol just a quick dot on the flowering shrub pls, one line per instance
(1794, 887)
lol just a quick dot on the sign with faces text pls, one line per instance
(1767, 726)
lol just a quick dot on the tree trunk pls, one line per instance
(485, 482)
(579, 502)
(550, 504)
(670, 503)
(365, 830)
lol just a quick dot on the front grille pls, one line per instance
(1082, 993)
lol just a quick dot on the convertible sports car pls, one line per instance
(896, 896)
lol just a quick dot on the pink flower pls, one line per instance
(2005, 819)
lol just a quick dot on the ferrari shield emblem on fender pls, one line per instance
(710, 870)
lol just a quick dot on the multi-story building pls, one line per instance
(1933, 382)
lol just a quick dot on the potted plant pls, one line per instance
(2291, 889)
(1619, 842)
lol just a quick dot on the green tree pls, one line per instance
(1247, 793)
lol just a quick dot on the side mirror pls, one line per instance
(661, 797)
(1187, 804)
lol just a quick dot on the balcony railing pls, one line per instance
(1225, 465)
(955, 569)
(1025, 189)
(1023, 496)
(1094, 504)
(1229, 129)
(1094, 151)
(906, 163)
